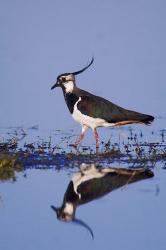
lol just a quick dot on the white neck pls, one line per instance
(69, 86)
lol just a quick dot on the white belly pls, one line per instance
(87, 120)
(88, 172)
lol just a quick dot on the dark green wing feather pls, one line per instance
(98, 107)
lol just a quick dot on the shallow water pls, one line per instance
(130, 217)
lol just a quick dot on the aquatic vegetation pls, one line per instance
(8, 167)
(128, 146)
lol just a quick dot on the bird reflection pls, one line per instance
(93, 182)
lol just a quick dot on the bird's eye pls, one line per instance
(63, 79)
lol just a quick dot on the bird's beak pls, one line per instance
(55, 85)
(55, 209)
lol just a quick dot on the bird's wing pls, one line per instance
(98, 107)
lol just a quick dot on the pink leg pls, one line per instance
(96, 138)
(81, 137)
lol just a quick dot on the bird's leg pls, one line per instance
(81, 137)
(97, 140)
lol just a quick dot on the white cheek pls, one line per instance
(69, 86)
(68, 208)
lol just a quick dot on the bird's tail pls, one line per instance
(135, 117)
(146, 119)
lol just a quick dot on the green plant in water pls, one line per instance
(8, 167)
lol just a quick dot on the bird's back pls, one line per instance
(98, 107)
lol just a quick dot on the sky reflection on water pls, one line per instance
(134, 215)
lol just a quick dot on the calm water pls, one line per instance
(130, 217)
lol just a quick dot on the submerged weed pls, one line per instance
(129, 146)
(8, 167)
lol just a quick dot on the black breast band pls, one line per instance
(71, 99)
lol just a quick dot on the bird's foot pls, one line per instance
(75, 147)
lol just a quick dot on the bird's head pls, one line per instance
(70, 217)
(65, 213)
(67, 80)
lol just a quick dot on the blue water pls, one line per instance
(132, 217)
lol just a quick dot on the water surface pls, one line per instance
(130, 217)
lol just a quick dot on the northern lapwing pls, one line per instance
(92, 182)
(93, 111)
